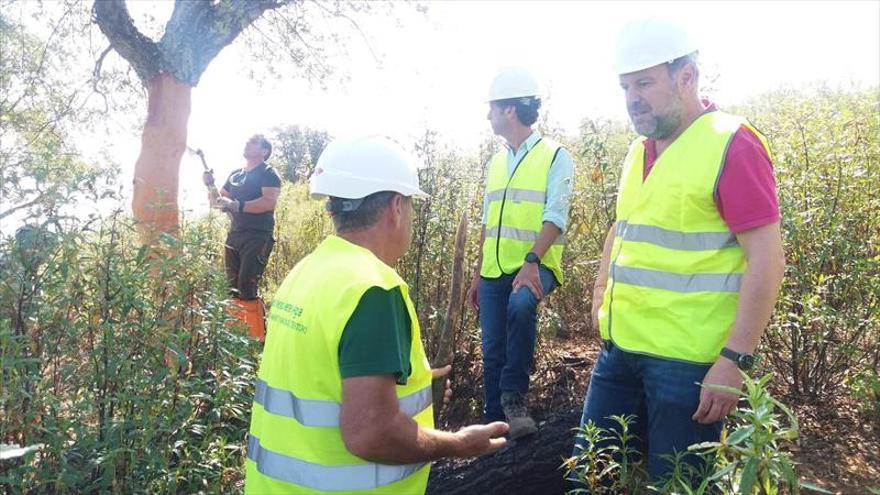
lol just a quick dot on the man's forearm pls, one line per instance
(760, 286)
(479, 263)
(259, 205)
(548, 235)
(374, 428)
(402, 441)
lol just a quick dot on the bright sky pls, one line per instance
(435, 69)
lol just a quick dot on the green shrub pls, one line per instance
(826, 146)
(86, 373)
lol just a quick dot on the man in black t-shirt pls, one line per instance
(249, 195)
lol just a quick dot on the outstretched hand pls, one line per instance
(481, 439)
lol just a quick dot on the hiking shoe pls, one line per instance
(517, 412)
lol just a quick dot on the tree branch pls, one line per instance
(140, 51)
(32, 202)
(198, 31)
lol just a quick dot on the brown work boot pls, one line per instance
(517, 412)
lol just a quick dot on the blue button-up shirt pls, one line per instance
(559, 183)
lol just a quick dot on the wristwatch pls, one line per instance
(743, 360)
(532, 258)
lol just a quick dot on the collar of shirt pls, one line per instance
(514, 158)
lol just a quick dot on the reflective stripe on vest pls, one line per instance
(516, 208)
(677, 282)
(310, 412)
(518, 195)
(519, 234)
(687, 241)
(347, 478)
(676, 269)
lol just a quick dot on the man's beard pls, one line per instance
(657, 126)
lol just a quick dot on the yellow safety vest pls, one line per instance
(516, 209)
(295, 443)
(676, 268)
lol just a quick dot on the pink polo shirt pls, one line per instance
(746, 197)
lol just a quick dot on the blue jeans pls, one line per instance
(508, 321)
(662, 393)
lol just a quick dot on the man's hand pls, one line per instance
(529, 276)
(473, 294)
(226, 204)
(438, 373)
(208, 178)
(716, 404)
(477, 440)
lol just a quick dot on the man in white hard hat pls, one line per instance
(525, 212)
(692, 266)
(343, 395)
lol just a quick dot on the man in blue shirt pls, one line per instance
(525, 212)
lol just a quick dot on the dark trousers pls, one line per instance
(247, 254)
(508, 321)
(663, 394)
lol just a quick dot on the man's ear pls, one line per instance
(397, 208)
(687, 76)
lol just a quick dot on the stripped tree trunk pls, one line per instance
(156, 172)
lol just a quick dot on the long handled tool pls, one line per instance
(213, 193)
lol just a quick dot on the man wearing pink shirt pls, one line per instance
(692, 266)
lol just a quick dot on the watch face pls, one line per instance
(746, 361)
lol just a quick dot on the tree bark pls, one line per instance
(530, 466)
(156, 172)
(446, 339)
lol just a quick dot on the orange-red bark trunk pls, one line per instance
(156, 172)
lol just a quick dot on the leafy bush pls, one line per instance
(826, 147)
(118, 362)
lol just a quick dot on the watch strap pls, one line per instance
(730, 354)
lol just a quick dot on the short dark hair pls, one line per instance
(266, 145)
(526, 108)
(353, 214)
(675, 66)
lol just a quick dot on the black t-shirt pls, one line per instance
(247, 186)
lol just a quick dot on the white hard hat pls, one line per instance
(356, 168)
(513, 82)
(645, 43)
